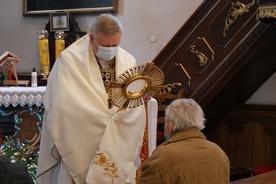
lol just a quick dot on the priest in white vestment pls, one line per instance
(84, 139)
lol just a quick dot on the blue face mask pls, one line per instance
(107, 53)
(166, 136)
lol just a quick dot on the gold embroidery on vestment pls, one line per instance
(108, 73)
(107, 165)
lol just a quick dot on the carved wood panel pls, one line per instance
(248, 136)
(212, 43)
(220, 56)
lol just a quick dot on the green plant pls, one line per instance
(21, 153)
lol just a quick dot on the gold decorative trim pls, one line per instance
(237, 9)
(266, 12)
(106, 164)
(180, 64)
(168, 87)
(202, 58)
(136, 86)
(28, 126)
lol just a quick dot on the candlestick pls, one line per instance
(44, 53)
(59, 43)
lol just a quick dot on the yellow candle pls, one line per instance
(59, 46)
(44, 53)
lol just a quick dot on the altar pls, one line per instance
(21, 111)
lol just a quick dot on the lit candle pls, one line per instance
(59, 43)
(44, 53)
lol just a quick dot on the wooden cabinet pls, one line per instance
(247, 135)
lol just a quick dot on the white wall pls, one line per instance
(141, 19)
(266, 94)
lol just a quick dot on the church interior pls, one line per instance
(223, 56)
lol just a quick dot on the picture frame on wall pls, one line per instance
(59, 21)
(44, 7)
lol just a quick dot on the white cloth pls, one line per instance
(152, 124)
(78, 123)
(22, 96)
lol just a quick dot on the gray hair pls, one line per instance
(185, 114)
(106, 24)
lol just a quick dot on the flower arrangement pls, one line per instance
(21, 153)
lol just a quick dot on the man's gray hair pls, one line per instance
(106, 24)
(185, 114)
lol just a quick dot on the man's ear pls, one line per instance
(171, 126)
(91, 38)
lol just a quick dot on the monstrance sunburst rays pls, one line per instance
(136, 86)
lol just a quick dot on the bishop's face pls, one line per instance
(104, 40)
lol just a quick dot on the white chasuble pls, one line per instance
(83, 141)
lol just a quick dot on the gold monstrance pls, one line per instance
(136, 86)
